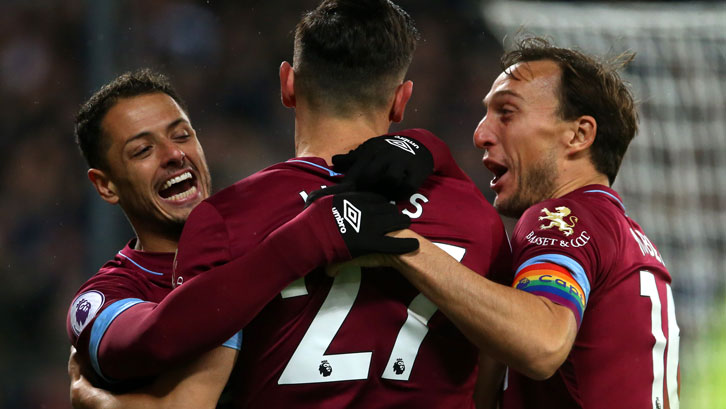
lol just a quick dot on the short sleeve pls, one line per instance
(555, 254)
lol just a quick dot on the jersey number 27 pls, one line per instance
(310, 364)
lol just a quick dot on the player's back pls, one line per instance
(366, 338)
(626, 350)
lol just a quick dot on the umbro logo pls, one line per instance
(403, 143)
(352, 215)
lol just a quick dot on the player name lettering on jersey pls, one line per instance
(416, 200)
(578, 241)
(646, 247)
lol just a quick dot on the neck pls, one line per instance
(579, 175)
(323, 135)
(156, 242)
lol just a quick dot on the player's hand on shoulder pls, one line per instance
(394, 166)
(374, 259)
(363, 219)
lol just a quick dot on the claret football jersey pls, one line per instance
(366, 338)
(130, 278)
(584, 252)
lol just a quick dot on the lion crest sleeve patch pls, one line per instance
(560, 218)
(84, 308)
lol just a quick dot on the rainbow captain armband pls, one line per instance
(565, 286)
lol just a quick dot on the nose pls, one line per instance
(484, 138)
(173, 154)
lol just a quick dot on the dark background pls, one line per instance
(223, 57)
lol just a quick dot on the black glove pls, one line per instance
(392, 165)
(363, 219)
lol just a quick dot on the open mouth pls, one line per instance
(179, 187)
(497, 169)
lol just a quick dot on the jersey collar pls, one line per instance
(157, 266)
(315, 162)
(604, 191)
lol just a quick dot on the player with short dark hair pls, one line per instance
(590, 320)
(123, 319)
(143, 154)
(342, 77)
(362, 339)
(90, 136)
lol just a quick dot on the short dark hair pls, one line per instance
(351, 54)
(89, 135)
(589, 86)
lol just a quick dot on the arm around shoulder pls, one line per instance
(527, 332)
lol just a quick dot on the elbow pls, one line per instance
(540, 371)
(546, 361)
(551, 346)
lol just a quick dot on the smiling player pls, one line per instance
(143, 155)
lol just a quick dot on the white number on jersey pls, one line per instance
(310, 364)
(649, 289)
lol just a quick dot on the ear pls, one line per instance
(585, 129)
(103, 184)
(287, 85)
(400, 99)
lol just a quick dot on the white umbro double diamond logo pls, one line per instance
(352, 215)
(401, 143)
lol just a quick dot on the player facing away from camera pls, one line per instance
(125, 320)
(363, 339)
(589, 321)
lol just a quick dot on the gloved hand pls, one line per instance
(392, 165)
(362, 219)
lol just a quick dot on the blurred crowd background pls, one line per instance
(223, 57)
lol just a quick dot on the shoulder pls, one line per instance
(132, 273)
(111, 283)
(579, 227)
(113, 277)
(565, 216)
(457, 202)
(453, 211)
(238, 217)
(282, 182)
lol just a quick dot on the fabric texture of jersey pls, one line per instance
(582, 251)
(131, 277)
(366, 339)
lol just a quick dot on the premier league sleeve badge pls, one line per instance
(84, 308)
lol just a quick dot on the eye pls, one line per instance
(141, 151)
(505, 111)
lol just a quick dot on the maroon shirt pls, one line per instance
(132, 277)
(364, 339)
(583, 247)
